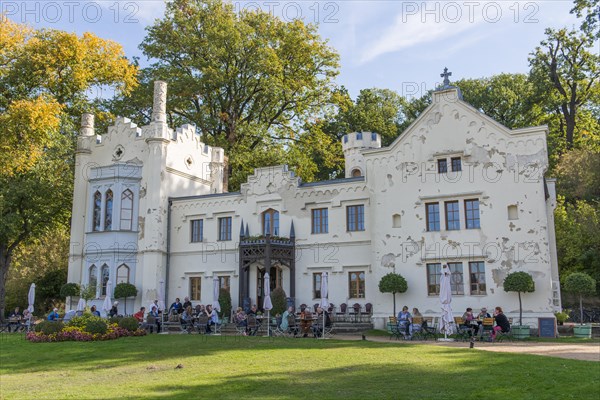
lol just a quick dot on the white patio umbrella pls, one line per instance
(81, 304)
(267, 305)
(447, 320)
(324, 299)
(107, 305)
(215, 304)
(31, 297)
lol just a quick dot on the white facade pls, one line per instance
(494, 215)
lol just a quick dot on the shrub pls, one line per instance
(96, 326)
(115, 319)
(393, 283)
(581, 284)
(129, 323)
(225, 302)
(124, 290)
(49, 327)
(278, 298)
(520, 282)
(70, 289)
(83, 320)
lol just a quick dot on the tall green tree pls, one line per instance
(245, 79)
(590, 11)
(44, 78)
(566, 71)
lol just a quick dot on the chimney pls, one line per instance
(87, 125)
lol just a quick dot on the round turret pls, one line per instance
(352, 145)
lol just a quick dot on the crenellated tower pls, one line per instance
(352, 145)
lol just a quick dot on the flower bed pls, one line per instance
(81, 329)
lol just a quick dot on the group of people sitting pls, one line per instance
(178, 312)
(474, 323)
(19, 321)
(309, 323)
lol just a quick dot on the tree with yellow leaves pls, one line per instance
(45, 78)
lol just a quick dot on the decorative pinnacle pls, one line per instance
(87, 125)
(159, 107)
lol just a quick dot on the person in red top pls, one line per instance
(140, 314)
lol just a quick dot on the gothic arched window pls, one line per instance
(104, 275)
(271, 222)
(126, 210)
(108, 208)
(122, 274)
(96, 215)
(93, 276)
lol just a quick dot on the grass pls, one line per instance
(247, 367)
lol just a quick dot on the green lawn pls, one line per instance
(260, 368)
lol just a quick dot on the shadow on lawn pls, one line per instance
(17, 355)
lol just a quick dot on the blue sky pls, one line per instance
(401, 45)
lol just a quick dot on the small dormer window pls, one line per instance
(356, 173)
(359, 136)
(373, 137)
(345, 138)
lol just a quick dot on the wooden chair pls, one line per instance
(430, 328)
(462, 332)
(201, 323)
(366, 316)
(393, 331)
(488, 327)
(252, 325)
(417, 330)
(355, 311)
(341, 315)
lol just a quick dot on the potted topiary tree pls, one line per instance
(225, 303)
(393, 283)
(279, 300)
(68, 290)
(124, 290)
(581, 284)
(520, 282)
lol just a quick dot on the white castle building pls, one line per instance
(151, 206)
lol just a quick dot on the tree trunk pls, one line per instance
(520, 310)
(5, 260)
(581, 308)
(394, 293)
(570, 131)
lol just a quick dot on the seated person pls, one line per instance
(416, 327)
(468, 321)
(15, 317)
(187, 318)
(94, 311)
(502, 323)
(26, 320)
(482, 314)
(176, 306)
(284, 318)
(213, 318)
(404, 321)
(253, 310)
(154, 314)
(154, 304)
(53, 316)
(140, 315)
(305, 321)
(186, 303)
(317, 327)
(114, 311)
